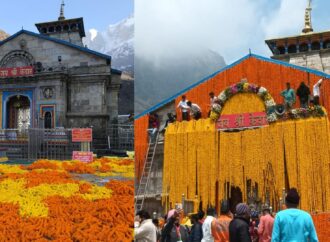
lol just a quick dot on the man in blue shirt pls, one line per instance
(289, 96)
(292, 224)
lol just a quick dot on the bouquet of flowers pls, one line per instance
(215, 111)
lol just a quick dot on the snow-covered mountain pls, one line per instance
(116, 41)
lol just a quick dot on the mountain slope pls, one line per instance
(116, 41)
(158, 82)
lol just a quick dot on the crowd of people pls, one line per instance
(192, 110)
(189, 109)
(246, 225)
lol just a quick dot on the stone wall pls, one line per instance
(87, 95)
(112, 97)
(318, 60)
(325, 57)
(72, 37)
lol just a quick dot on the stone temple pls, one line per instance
(49, 79)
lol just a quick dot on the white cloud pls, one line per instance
(288, 19)
(168, 28)
(93, 33)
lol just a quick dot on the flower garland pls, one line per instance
(245, 87)
(274, 112)
(312, 111)
(299, 146)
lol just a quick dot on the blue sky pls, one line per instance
(97, 14)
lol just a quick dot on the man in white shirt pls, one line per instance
(195, 110)
(147, 231)
(316, 92)
(184, 108)
(213, 98)
(207, 225)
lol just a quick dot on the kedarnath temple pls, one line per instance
(49, 79)
(248, 149)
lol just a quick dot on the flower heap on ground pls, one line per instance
(270, 105)
(104, 167)
(43, 201)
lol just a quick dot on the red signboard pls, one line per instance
(240, 121)
(17, 71)
(82, 156)
(82, 135)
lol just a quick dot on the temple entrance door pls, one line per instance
(18, 112)
(236, 197)
(48, 120)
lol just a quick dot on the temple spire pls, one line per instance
(308, 19)
(61, 17)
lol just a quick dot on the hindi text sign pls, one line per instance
(16, 71)
(240, 121)
(83, 156)
(82, 135)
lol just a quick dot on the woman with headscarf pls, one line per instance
(173, 231)
(239, 226)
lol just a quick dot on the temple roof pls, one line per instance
(59, 41)
(301, 36)
(238, 62)
(78, 21)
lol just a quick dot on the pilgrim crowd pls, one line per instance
(245, 225)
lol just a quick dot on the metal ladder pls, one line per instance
(144, 181)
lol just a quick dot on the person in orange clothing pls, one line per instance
(220, 230)
(265, 227)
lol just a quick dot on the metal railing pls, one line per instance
(14, 143)
(37, 143)
(121, 137)
(32, 144)
(51, 144)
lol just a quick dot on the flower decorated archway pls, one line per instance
(245, 87)
(271, 108)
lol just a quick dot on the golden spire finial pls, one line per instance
(61, 17)
(308, 19)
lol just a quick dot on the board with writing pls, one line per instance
(82, 156)
(82, 135)
(241, 121)
(17, 71)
